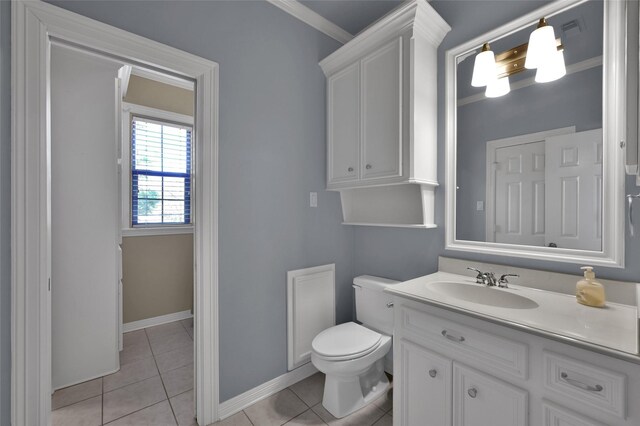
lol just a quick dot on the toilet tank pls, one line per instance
(371, 303)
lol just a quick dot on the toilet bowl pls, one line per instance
(352, 355)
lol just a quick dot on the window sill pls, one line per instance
(151, 231)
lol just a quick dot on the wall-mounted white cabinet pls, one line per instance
(382, 116)
(457, 370)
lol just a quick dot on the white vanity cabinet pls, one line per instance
(382, 118)
(453, 369)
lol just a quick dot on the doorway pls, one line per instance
(36, 26)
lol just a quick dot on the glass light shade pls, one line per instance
(552, 70)
(497, 88)
(484, 69)
(542, 47)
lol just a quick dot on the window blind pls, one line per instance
(160, 173)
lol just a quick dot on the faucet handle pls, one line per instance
(479, 277)
(502, 282)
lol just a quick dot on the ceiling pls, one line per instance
(351, 15)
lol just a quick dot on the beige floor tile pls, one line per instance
(135, 349)
(179, 380)
(386, 420)
(126, 400)
(238, 419)
(164, 330)
(184, 409)
(133, 372)
(276, 409)
(307, 418)
(134, 338)
(310, 390)
(364, 417)
(85, 413)
(175, 359)
(76, 393)
(156, 415)
(385, 402)
(170, 342)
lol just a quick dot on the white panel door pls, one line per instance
(343, 125)
(520, 194)
(574, 194)
(482, 400)
(425, 389)
(382, 112)
(84, 217)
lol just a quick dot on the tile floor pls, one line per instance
(301, 404)
(155, 387)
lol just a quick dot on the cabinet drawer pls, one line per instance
(474, 347)
(482, 400)
(584, 383)
(554, 415)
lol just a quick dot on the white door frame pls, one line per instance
(492, 147)
(34, 25)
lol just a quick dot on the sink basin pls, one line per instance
(477, 293)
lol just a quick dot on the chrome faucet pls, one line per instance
(486, 278)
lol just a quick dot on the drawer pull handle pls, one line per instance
(368, 166)
(579, 384)
(433, 373)
(390, 305)
(350, 169)
(446, 334)
(473, 392)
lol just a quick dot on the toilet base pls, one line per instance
(344, 395)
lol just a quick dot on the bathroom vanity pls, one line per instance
(470, 355)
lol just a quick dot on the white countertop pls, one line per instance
(614, 327)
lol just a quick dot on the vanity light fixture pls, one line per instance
(484, 68)
(544, 53)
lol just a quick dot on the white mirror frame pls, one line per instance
(614, 133)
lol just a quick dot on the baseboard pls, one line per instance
(150, 322)
(242, 401)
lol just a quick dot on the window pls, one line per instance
(160, 173)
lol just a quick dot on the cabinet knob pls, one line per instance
(368, 166)
(350, 169)
(433, 373)
(473, 392)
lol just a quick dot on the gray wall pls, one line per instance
(5, 213)
(272, 153)
(404, 253)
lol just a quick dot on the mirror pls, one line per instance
(537, 171)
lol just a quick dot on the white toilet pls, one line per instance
(352, 355)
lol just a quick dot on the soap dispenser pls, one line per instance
(589, 291)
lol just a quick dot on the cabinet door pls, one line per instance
(343, 121)
(424, 394)
(382, 112)
(481, 400)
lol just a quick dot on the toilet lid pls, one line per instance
(345, 340)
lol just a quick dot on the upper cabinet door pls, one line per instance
(343, 113)
(482, 400)
(382, 112)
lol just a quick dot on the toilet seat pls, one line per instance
(345, 342)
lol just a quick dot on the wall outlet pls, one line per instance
(313, 199)
(479, 206)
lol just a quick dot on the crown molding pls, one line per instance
(313, 19)
(417, 15)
